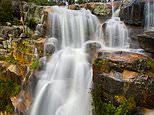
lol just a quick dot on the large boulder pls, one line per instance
(124, 74)
(101, 10)
(146, 41)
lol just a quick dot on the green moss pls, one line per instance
(6, 105)
(7, 89)
(102, 65)
(100, 62)
(150, 62)
(35, 64)
(5, 11)
(11, 59)
(2, 58)
(104, 107)
(32, 23)
(9, 108)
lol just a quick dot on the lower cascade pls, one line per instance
(64, 87)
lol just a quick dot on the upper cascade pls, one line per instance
(72, 28)
(149, 13)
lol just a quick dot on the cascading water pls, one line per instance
(64, 87)
(149, 15)
(72, 28)
(116, 33)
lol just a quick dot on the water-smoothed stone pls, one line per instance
(146, 41)
(125, 74)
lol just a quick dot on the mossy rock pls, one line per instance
(6, 105)
(101, 10)
(8, 89)
(123, 74)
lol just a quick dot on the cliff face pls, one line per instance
(120, 76)
(133, 12)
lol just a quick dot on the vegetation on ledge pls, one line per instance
(105, 107)
(7, 89)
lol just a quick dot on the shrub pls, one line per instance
(5, 11)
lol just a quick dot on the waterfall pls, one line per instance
(64, 86)
(112, 5)
(149, 13)
(72, 28)
(116, 33)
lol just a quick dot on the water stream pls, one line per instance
(149, 15)
(64, 87)
(116, 33)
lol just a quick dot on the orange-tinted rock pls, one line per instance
(125, 74)
(129, 74)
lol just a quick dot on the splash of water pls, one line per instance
(149, 14)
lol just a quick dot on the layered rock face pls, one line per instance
(124, 75)
(146, 41)
(132, 12)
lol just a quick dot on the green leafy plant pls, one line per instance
(5, 11)
(35, 64)
(8, 89)
(32, 23)
(105, 107)
(11, 59)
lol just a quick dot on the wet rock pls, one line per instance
(40, 44)
(8, 24)
(101, 10)
(132, 12)
(146, 41)
(92, 48)
(74, 7)
(6, 31)
(133, 34)
(23, 35)
(40, 31)
(125, 74)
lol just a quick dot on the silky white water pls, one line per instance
(149, 15)
(72, 28)
(116, 33)
(64, 87)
